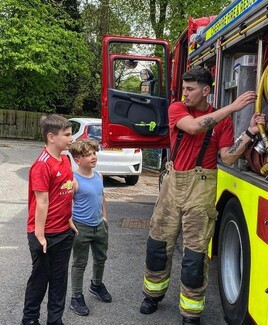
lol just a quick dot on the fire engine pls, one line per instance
(234, 47)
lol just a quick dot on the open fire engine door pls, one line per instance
(135, 92)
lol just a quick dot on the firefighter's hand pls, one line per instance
(256, 119)
(243, 100)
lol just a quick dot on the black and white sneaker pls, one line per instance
(100, 292)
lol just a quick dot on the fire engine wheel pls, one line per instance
(234, 264)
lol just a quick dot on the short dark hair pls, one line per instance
(200, 75)
(81, 147)
(53, 124)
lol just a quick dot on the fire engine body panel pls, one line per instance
(234, 47)
(226, 22)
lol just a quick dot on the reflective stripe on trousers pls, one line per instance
(191, 304)
(156, 286)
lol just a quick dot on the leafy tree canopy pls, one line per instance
(99, 19)
(39, 54)
(50, 50)
(164, 18)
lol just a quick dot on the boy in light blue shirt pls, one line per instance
(90, 218)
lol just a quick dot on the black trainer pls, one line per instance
(30, 322)
(100, 292)
(79, 306)
(191, 320)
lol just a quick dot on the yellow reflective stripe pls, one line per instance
(189, 304)
(156, 286)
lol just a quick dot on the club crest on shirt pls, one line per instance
(68, 187)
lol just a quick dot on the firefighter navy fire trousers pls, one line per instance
(186, 203)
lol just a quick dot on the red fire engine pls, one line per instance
(234, 47)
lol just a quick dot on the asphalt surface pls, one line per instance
(129, 212)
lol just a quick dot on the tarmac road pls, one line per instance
(129, 211)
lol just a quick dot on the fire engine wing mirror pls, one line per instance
(131, 64)
(148, 81)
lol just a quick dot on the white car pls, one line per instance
(125, 163)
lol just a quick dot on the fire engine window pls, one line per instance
(137, 76)
(138, 68)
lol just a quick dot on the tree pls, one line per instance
(164, 18)
(72, 8)
(40, 56)
(98, 20)
(131, 83)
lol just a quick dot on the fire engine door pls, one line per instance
(135, 92)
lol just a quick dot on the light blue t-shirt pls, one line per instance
(87, 201)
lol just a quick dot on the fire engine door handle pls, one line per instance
(141, 100)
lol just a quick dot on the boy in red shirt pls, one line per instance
(49, 227)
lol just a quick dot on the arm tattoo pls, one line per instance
(207, 123)
(237, 143)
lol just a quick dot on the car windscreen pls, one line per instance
(75, 127)
(94, 132)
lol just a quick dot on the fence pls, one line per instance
(19, 124)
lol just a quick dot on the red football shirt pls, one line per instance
(190, 145)
(48, 174)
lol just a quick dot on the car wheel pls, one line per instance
(132, 180)
(234, 264)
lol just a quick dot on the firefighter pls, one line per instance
(186, 201)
